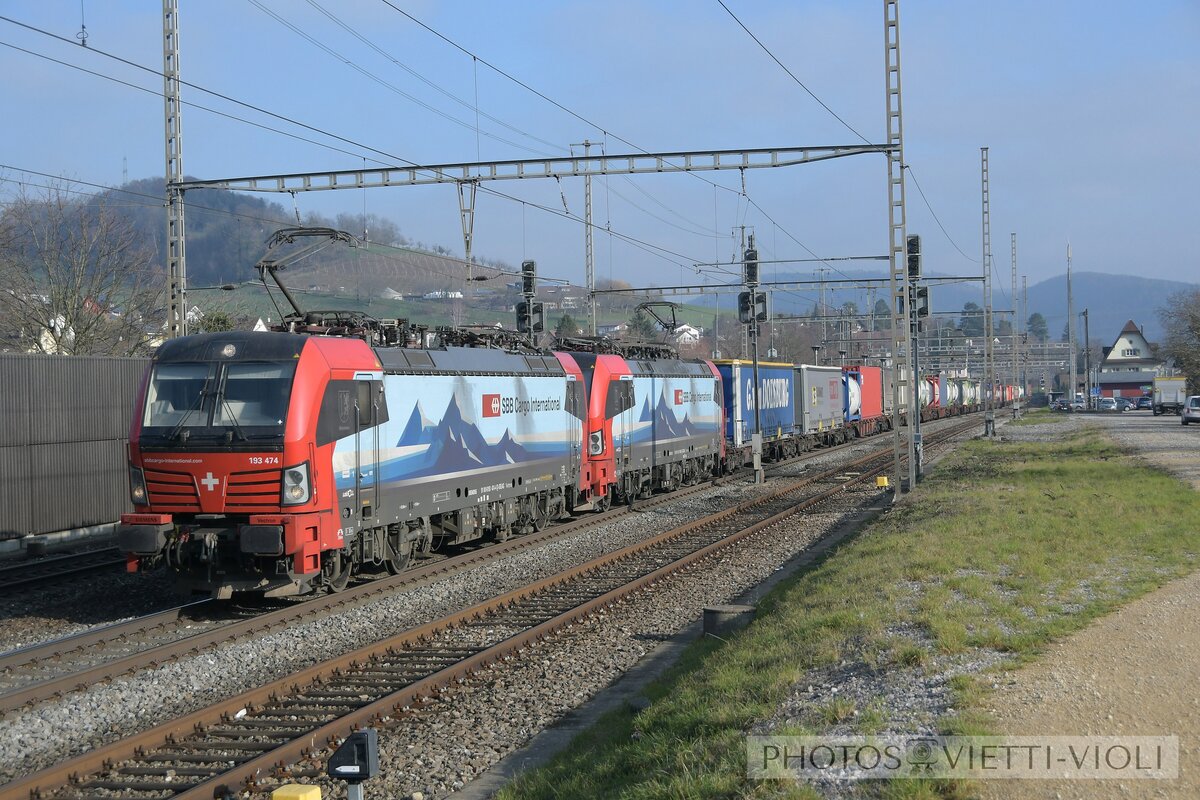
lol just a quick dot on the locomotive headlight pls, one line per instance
(137, 486)
(295, 485)
(596, 443)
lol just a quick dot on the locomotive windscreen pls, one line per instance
(206, 401)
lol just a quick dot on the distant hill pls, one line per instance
(1111, 300)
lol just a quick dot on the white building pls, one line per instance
(1130, 353)
(686, 334)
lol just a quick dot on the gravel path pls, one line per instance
(1134, 672)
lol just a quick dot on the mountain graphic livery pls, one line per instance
(455, 445)
(418, 430)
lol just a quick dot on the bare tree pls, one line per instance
(75, 278)
(1181, 320)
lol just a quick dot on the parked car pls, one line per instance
(1108, 404)
(1060, 405)
(1191, 410)
(1145, 404)
(1124, 404)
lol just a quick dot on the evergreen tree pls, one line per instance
(641, 326)
(1039, 331)
(971, 322)
(567, 326)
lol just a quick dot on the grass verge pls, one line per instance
(1004, 547)
(1037, 416)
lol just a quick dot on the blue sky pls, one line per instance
(1091, 113)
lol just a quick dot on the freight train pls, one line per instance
(280, 463)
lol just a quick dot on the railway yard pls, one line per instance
(96, 687)
(314, 489)
(103, 666)
(105, 678)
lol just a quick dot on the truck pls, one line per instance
(1170, 393)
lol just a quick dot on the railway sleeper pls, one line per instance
(421, 656)
(336, 693)
(439, 652)
(247, 722)
(389, 672)
(192, 757)
(398, 673)
(174, 787)
(188, 771)
(299, 708)
(250, 747)
(276, 732)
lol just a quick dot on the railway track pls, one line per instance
(27, 573)
(224, 747)
(53, 669)
(50, 670)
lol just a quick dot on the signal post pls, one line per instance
(752, 309)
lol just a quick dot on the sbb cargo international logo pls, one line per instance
(491, 405)
(679, 397)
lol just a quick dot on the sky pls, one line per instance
(1090, 113)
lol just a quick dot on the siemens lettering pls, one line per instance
(773, 392)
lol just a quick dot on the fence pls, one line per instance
(64, 426)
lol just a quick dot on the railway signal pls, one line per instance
(531, 317)
(530, 313)
(745, 307)
(913, 250)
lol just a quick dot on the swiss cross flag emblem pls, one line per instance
(491, 405)
(679, 397)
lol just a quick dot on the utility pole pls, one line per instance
(589, 262)
(466, 213)
(989, 375)
(1016, 409)
(1025, 330)
(904, 384)
(1087, 360)
(173, 132)
(750, 274)
(821, 308)
(1070, 330)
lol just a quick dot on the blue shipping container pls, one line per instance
(776, 388)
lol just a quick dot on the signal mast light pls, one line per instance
(745, 306)
(913, 249)
(750, 267)
(528, 278)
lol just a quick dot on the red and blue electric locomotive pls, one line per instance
(278, 463)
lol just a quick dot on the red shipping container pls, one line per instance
(872, 392)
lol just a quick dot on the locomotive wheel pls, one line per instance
(604, 503)
(397, 560)
(336, 571)
(541, 512)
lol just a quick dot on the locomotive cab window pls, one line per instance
(176, 395)
(576, 400)
(348, 407)
(255, 395)
(237, 400)
(619, 398)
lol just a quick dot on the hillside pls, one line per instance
(1111, 300)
